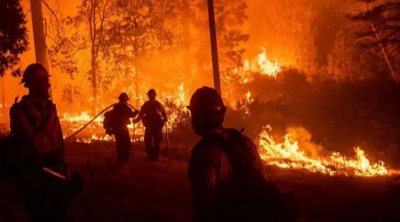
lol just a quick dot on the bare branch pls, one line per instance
(55, 16)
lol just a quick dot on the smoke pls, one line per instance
(298, 34)
(291, 32)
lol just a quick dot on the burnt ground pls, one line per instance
(154, 192)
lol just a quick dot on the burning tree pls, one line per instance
(230, 17)
(286, 32)
(88, 37)
(142, 28)
(116, 36)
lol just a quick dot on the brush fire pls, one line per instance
(314, 84)
(285, 154)
(289, 154)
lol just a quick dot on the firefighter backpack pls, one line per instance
(248, 196)
(108, 121)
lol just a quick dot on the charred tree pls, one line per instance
(381, 31)
(230, 16)
(140, 30)
(383, 48)
(84, 35)
(96, 16)
(116, 37)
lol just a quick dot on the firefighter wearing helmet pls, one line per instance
(153, 116)
(116, 122)
(225, 169)
(41, 174)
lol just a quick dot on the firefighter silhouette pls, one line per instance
(41, 172)
(153, 116)
(225, 169)
(116, 122)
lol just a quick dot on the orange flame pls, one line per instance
(287, 154)
(95, 132)
(262, 65)
(267, 67)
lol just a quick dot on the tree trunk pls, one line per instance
(93, 53)
(385, 54)
(136, 62)
(94, 82)
(214, 46)
(186, 20)
(39, 36)
(39, 33)
(137, 85)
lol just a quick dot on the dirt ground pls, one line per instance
(159, 191)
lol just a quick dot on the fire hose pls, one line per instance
(63, 177)
(134, 128)
(93, 119)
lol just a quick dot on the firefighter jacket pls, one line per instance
(37, 129)
(210, 167)
(153, 114)
(120, 116)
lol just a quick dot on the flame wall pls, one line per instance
(298, 34)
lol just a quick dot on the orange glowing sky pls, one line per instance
(12, 86)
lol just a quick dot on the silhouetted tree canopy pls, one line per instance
(386, 19)
(119, 34)
(380, 31)
(13, 37)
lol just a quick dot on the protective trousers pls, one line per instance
(152, 140)
(123, 142)
(45, 197)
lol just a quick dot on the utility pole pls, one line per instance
(214, 46)
(39, 33)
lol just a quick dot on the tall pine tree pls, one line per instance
(380, 32)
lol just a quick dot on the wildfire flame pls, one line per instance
(290, 153)
(95, 132)
(267, 67)
(247, 102)
(287, 154)
(181, 94)
(81, 117)
(262, 65)
(249, 98)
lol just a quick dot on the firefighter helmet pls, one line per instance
(206, 100)
(151, 92)
(123, 97)
(33, 72)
